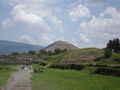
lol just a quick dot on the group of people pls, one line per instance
(22, 67)
(35, 70)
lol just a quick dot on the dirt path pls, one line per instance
(19, 80)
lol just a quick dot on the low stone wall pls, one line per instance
(17, 62)
(97, 69)
(105, 71)
(3, 68)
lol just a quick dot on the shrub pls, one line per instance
(15, 53)
(68, 66)
(99, 58)
(32, 52)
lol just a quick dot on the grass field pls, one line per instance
(56, 79)
(4, 74)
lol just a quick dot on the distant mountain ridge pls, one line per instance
(61, 45)
(7, 47)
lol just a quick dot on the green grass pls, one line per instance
(36, 66)
(56, 79)
(115, 56)
(84, 52)
(4, 75)
(7, 66)
(53, 58)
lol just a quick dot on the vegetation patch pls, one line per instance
(57, 79)
(5, 74)
(68, 66)
(108, 71)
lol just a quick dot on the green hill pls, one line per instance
(74, 56)
(87, 54)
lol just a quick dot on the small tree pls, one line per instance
(42, 51)
(116, 45)
(110, 45)
(57, 51)
(15, 53)
(32, 52)
(50, 53)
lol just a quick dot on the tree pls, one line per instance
(110, 45)
(50, 53)
(57, 51)
(15, 53)
(32, 52)
(42, 51)
(114, 45)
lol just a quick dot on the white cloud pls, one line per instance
(61, 39)
(84, 38)
(97, 45)
(27, 39)
(47, 38)
(37, 18)
(56, 23)
(79, 11)
(101, 28)
(96, 3)
(7, 23)
(37, 14)
(22, 16)
(74, 42)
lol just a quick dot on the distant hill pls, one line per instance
(61, 45)
(7, 47)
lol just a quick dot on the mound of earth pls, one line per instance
(61, 45)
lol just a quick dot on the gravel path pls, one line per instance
(19, 80)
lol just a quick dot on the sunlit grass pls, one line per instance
(55, 79)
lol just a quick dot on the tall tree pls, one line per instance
(114, 45)
(117, 45)
(110, 45)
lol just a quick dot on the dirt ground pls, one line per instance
(19, 80)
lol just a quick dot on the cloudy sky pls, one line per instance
(85, 23)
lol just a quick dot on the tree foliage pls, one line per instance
(55, 52)
(32, 52)
(112, 46)
(15, 53)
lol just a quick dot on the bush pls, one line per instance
(15, 53)
(99, 58)
(42, 51)
(68, 66)
(32, 52)
(108, 71)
